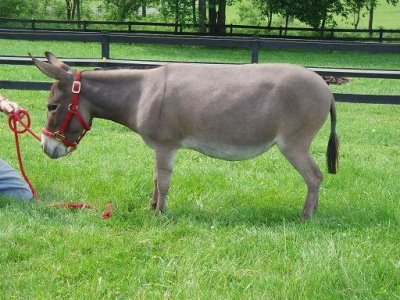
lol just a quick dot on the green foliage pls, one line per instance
(19, 8)
(40, 9)
(318, 13)
(121, 10)
(177, 10)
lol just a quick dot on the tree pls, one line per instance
(317, 13)
(354, 7)
(268, 8)
(181, 11)
(371, 5)
(122, 10)
(73, 8)
(286, 9)
(217, 16)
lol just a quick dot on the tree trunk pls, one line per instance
(176, 12)
(221, 17)
(357, 19)
(78, 9)
(323, 25)
(286, 23)
(194, 17)
(68, 4)
(371, 19)
(270, 17)
(144, 12)
(202, 16)
(212, 16)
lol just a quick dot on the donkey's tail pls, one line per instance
(332, 152)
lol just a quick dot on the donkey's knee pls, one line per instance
(314, 181)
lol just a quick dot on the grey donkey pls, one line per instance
(231, 112)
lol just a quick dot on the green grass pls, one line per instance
(232, 229)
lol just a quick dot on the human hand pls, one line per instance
(8, 107)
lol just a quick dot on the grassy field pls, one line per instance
(232, 229)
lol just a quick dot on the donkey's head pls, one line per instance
(66, 122)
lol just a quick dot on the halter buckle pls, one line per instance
(76, 87)
(58, 136)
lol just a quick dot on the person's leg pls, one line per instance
(12, 184)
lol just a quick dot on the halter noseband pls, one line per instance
(72, 111)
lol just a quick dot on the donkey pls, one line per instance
(224, 111)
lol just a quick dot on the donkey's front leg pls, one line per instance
(163, 171)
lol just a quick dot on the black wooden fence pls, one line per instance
(380, 35)
(255, 43)
(356, 98)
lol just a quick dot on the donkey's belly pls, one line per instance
(226, 151)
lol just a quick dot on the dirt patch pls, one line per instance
(335, 80)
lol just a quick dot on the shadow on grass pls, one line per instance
(241, 211)
(274, 212)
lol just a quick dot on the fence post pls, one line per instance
(255, 49)
(105, 45)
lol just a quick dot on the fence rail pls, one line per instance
(381, 35)
(353, 98)
(255, 43)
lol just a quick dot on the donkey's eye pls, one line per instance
(51, 107)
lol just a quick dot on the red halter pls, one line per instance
(72, 111)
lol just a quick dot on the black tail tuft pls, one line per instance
(332, 152)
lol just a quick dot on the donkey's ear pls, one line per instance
(52, 71)
(56, 62)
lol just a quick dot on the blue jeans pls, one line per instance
(12, 184)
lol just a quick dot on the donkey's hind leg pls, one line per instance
(302, 161)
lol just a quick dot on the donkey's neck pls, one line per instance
(114, 94)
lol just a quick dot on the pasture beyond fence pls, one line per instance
(378, 35)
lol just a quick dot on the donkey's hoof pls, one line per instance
(158, 213)
(305, 216)
(153, 205)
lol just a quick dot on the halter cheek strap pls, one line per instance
(73, 110)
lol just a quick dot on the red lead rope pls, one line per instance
(13, 120)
